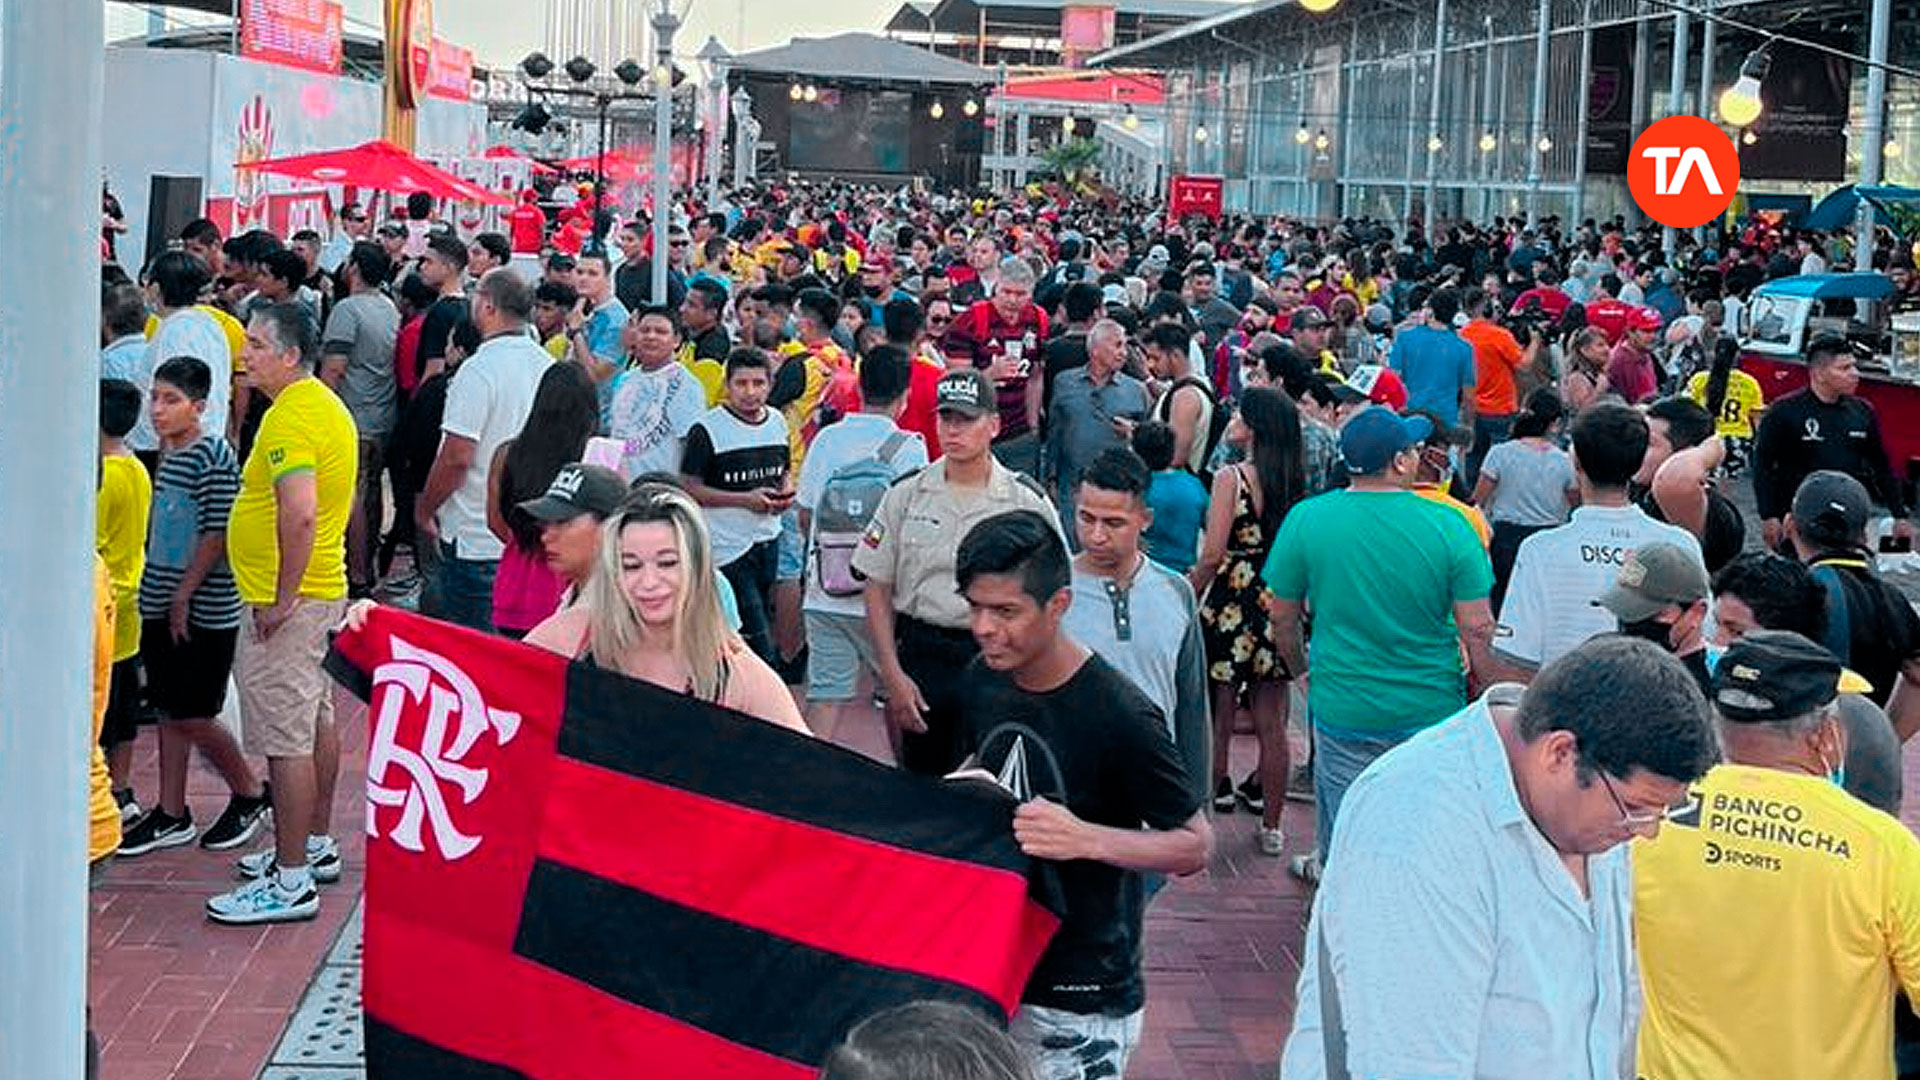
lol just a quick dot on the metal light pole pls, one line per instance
(1585, 116)
(1677, 100)
(1872, 158)
(1703, 90)
(1536, 153)
(715, 55)
(665, 23)
(50, 79)
(743, 137)
(1430, 216)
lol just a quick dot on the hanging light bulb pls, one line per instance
(1303, 136)
(1892, 149)
(937, 110)
(1066, 126)
(1131, 121)
(970, 107)
(1545, 144)
(1748, 138)
(811, 94)
(1319, 7)
(1200, 133)
(1434, 144)
(794, 92)
(1489, 142)
(1321, 141)
(1740, 103)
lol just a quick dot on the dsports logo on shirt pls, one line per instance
(1683, 171)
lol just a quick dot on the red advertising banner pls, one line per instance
(295, 33)
(1187, 195)
(1084, 31)
(450, 71)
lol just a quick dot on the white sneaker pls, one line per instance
(262, 901)
(1272, 841)
(322, 858)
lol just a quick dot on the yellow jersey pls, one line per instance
(1743, 403)
(306, 429)
(103, 814)
(236, 334)
(1436, 494)
(711, 373)
(120, 537)
(1773, 926)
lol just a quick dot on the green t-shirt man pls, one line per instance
(1381, 572)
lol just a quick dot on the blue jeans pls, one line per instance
(1338, 760)
(752, 576)
(460, 591)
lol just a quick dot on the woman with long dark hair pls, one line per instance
(565, 414)
(1249, 502)
(1732, 397)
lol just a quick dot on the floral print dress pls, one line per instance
(1241, 649)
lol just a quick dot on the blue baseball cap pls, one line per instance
(1369, 440)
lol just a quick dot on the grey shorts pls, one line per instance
(839, 648)
(1076, 1046)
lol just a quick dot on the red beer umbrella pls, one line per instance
(379, 165)
(508, 153)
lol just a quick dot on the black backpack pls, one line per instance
(1217, 417)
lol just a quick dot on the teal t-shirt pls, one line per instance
(1380, 571)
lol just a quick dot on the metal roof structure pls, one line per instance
(861, 57)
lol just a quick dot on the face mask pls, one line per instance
(1653, 630)
(1713, 658)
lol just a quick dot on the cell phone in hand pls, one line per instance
(1896, 545)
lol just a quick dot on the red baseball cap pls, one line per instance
(1381, 384)
(1644, 318)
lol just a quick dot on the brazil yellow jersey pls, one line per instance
(120, 536)
(305, 430)
(1743, 403)
(1773, 925)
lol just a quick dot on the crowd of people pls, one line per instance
(1076, 495)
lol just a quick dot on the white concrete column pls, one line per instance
(50, 84)
(1872, 155)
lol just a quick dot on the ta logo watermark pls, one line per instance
(1683, 171)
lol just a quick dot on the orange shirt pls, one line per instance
(1496, 356)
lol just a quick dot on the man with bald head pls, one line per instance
(1094, 410)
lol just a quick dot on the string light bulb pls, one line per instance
(970, 107)
(1489, 142)
(1322, 140)
(1545, 144)
(1740, 103)
(1434, 144)
(794, 92)
(1319, 7)
(811, 93)
(1200, 133)
(1303, 136)
(1131, 121)
(1748, 138)
(1892, 149)
(937, 110)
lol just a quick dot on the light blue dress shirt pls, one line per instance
(1459, 942)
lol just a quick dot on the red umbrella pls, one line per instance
(379, 165)
(508, 153)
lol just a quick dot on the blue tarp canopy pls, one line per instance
(1830, 286)
(1836, 211)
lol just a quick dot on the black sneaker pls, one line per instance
(1223, 796)
(128, 806)
(1254, 799)
(157, 829)
(239, 822)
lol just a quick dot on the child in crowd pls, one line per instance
(120, 536)
(190, 618)
(1176, 497)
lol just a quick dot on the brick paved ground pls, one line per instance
(176, 996)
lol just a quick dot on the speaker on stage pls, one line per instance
(171, 203)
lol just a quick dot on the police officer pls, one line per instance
(1823, 427)
(919, 621)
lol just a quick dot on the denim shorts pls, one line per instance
(791, 564)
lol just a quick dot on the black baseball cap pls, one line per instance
(578, 489)
(1831, 508)
(1777, 675)
(968, 392)
(1306, 317)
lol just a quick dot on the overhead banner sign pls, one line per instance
(303, 34)
(450, 71)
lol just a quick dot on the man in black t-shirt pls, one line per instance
(1104, 794)
(444, 268)
(1676, 485)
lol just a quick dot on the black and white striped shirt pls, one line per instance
(193, 491)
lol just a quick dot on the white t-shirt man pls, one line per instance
(855, 438)
(488, 400)
(651, 414)
(1560, 572)
(187, 332)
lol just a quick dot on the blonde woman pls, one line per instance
(651, 611)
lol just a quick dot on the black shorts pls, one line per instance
(122, 722)
(187, 680)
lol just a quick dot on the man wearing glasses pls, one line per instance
(354, 227)
(1777, 919)
(1477, 921)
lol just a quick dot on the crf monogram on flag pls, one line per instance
(575, 875)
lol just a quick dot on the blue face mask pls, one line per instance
(1714, 654)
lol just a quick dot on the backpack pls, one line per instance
(848, 501)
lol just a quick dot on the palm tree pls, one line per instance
(1075, 161)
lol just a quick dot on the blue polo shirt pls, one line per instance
(1436, 365)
